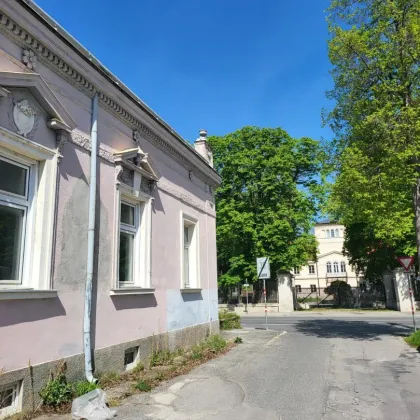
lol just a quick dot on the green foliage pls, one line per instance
(215, 343)
(413, 339)
(139, 367)
(143, 386)
(341, 291)
(108, 379)
(197, 352)
(161, 357)
(238, 340)
(57, 391)
(375, 51)
(83, 387)
(229, 320)
(272, 188)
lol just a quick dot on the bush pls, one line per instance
(83, 387)
(238, 340)
(342, 293)
(229, 320)
(160, 358)
(413, 339)
(57, 391)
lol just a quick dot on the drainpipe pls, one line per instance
(91, 242)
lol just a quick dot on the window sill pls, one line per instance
(14, 294)
(122, 291)
(191, 290)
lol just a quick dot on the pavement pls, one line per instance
(305, 367)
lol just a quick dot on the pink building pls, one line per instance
(144, 242)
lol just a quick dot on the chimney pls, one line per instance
(202, 147)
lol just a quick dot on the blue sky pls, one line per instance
(214, 64)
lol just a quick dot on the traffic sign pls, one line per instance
(406, 262)
(263, 268)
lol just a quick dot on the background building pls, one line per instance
(331, 263)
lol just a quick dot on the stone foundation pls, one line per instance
(109, 359)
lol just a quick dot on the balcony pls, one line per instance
(337, 275)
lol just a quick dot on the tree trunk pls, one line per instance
(417, 218)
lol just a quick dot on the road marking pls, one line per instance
(275, 338)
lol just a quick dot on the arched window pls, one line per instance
(327, 233)
(329, 267)
(343, 267)
(337, 233)
(332, 233)
(336, 267)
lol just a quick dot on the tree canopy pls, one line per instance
(375, 52)
(272, 188)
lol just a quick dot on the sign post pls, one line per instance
(263, 270)
(246, 285)
(407, 262)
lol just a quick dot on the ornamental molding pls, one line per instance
(186, 197)
(43, 54)
(85, 143)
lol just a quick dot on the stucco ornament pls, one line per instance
(24, 117)
(29, 58)
(136, 136)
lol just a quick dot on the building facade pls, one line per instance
(103, 253)
(331, 264)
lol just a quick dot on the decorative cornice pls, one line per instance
(84, 142)
(186, 197)
(12, 30)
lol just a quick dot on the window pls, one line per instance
(131, 358)
(327, 233)
(133, 242)
(343, 266)
(337, 233)
(311, 269)
(313, 288)
(332, 233)
(190, 272)
(336, 267)
(296, 270)
(14, 205)
(298, 288)
(9, 399)
(329, 270)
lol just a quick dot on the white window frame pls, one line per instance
(313, 269)
(194, 283)
(36, 258)
(329, 267)
(16, 405)
(337, 233)
(343, 265)
(142, 204)
(327, 233)
(335, 264)
(296, 270)
(332, 233)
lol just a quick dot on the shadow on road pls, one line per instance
(356, 330)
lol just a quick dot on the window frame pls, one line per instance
(194, 283)
(313, 288)
(335, 264)
(311, 266)
(329, 267)
(296, 271)
(141, 278)
(298, 288)
(343, 264)
(16, 405)
(327, 234)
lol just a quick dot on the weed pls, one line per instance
(413, 339)
(83, 387)
(108, 379)
(161, 358)
(229, 320)
(138, 368)
(215, 343)
(143, 386)
(57, 391)
(113, 402)
(238, 340)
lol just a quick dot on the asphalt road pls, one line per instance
(316, 367)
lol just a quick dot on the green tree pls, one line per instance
(272, 188)
(375, 51)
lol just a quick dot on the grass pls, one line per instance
(315, 309)
(414, 339)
